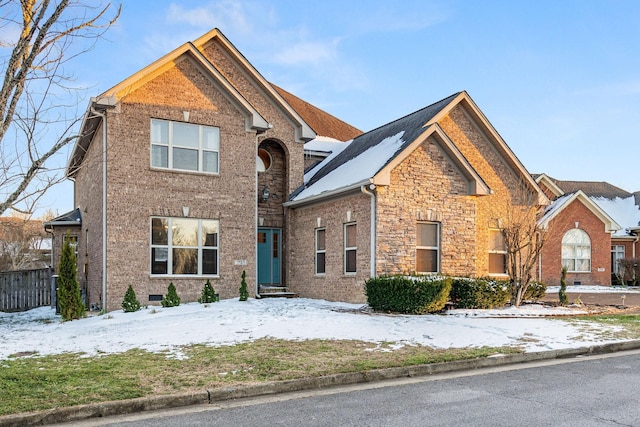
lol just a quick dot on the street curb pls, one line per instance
(152, 403)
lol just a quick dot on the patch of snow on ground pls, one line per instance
(230, 321)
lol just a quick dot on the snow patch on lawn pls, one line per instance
(230, 321)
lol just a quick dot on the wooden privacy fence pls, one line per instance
(25, 289)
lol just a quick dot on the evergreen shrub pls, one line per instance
(172, 299)
(562, 293)
(208, 294)
(480, 293)
(244, 293)
(130, 302)
(408, 294)
(69, 296)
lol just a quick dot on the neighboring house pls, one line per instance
(592, 225)
(24, 245)
(198, 168)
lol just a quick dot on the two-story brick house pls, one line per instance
(194, 169)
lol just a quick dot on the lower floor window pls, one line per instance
(428, 247)
(184, 246)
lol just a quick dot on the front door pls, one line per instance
(269, 249)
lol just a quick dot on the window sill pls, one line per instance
(183, 172)
(184, 276)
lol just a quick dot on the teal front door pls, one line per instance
(269, 249)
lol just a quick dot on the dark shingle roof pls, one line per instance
(412, 125)
(73, 217)
(322, 123)
(593, 189)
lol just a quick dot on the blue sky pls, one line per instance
(559, 80)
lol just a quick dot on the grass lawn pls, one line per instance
(32, 382)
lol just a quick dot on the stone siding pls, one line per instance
(426, 187)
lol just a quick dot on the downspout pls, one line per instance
(103, 116)
(373, 225)
(256, 224)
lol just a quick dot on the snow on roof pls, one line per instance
(323, 144)
(623, 210)
(553, 207)
(356, 170)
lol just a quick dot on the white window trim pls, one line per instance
(575, 246)
(502, 252)
(320, 251)
(170, 146)
(349, 249)
(615, 251)
(169, 248)
(432, 248)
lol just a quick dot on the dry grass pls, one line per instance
(70, 379)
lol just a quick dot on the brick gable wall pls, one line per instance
(600, 247)
(136, 192)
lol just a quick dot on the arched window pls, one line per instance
(264, 160)
(576, 251)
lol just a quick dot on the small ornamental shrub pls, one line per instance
(480, 293)
(535, 291)
(244, 293)
(172, 299)
(408, 294)
(562, 293)
(130, 302)
(208, 294)
(69, 296)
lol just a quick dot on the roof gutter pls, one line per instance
(327, 194)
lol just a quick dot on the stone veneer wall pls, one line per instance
(426, 186)
(506, 186)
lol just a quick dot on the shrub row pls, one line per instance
(429, 294)
(408, 294)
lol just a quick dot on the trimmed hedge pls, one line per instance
(479, 293)
(408, 294)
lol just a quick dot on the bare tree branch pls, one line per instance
(30, 105)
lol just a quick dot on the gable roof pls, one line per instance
(619, 204)
(73, 217)
(253, 119)
(590, 188)
(321, 122)
(562, 202)
(370, 157)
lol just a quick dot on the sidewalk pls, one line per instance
(603, 296)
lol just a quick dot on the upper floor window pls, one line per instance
(428, 247)
(184, 246)
(576, 251)
(184, 146)
(497, 252)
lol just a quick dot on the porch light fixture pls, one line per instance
(264, 195)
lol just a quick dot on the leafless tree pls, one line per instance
(523, 237)
(39, 39)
